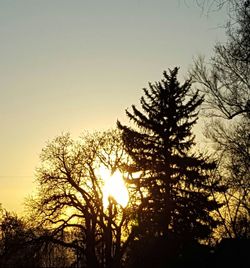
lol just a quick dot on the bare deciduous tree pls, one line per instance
(225, 82)
(232, 146)
(70, 199)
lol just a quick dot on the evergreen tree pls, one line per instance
(175, 182)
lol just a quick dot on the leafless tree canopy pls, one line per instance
(70, 199)
(225, 79)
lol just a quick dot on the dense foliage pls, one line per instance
(175, 179)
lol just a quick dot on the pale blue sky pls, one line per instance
(76, 65)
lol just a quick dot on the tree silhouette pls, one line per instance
(70, 204)
(232, 145)
(174, 182)
(225, 82)
(16, 249)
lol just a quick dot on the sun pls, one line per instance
(114, 186)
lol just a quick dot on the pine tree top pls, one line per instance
(168, 111)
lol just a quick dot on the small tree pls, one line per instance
(174, 183)
(16, 242)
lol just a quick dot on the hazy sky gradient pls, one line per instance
(76, 65)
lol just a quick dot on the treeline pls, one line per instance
(186, 208)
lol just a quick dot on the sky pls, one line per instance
(75, 65)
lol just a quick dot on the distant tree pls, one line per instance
(21, 246)
(16, 248)
(226, 84)
(225, 81)
(216, 5)
(70, 205)
(174, 181)
(232, 147)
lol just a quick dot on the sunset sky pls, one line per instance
(75, 65)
